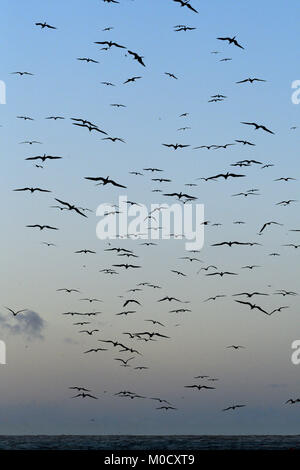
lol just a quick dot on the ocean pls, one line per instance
(163, 443)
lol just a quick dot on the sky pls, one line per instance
(45, 351)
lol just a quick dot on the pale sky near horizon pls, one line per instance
(42, 363)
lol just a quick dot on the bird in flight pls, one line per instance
(45, 25)
(185, 3)
(87, 59)
(89, 332)
(69, 291)
(286, 203)
(251, 80)
(182, 27)
(208, 147)
(252, 306)
(105, 181)
(21, 73)
(222, 273)
(114, 139)
(284, 292)
(155, 322)
(267, 224)
(109, 44)
(131, 301)
(117, 105)
(85, 395)
(137, 57)
(286, 179)
(71, 207)
(126, 266)
(90, 127)
(245, 142)
(200, 387)
(169, 299)
(231, 41)
(225, 176)
(233, 407)
(95, 350)
(26, 118)
(55, 118)
(258, 126)
(152, 169)
(234, 243)
(43, 157)
(171, 75)
(42, 227)
(15, 312)
(278, 309)
(132, 79)
(30, 142)
(32, 190)
(180, 195)
(292, 402)
(166, 407)
(215, 297)
(176, 146)
(249, 294)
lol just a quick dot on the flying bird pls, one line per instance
(267, 224)
(109, 44)
(21, 73)
(137, 57)
(42, 227)
(251, 80)
(252, 306)
(32, 190)
(71, 207)
(87, 59)
(171, 75)
(231, 41)
(105, 181)
(44, 157)
(132, 79)
(200, 387)
(233, 407)
(85, 395)
(15, 312)
(45, 25)
(258, 126)
(176, 146)
(185, 3)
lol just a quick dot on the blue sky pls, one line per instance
(35, 396)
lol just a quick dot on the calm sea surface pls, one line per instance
(67, 442)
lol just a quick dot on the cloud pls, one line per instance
(28, 324)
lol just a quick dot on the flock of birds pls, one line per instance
(130, 304)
